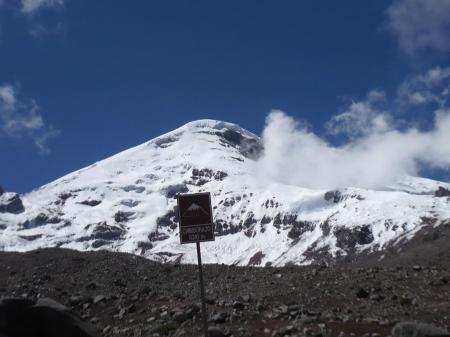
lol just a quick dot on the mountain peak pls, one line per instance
(218, 125)
(128, 203)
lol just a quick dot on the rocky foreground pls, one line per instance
(126, 295)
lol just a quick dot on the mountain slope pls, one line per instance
(127, 203)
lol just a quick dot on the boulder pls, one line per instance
(416, 329)
(220, 317)
(215, 332)
(42, 318)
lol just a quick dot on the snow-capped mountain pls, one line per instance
(128, 203)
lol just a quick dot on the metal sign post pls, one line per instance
(196, 225)
(202, 290)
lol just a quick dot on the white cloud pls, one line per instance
(430, 87)
(361, 118)
(32, 6)
(7, 98)
(41, 140)
(378, 147)
(296, 156)
(20, 119)
(420, 24)
(39, 30)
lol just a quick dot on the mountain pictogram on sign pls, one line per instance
(195, 210)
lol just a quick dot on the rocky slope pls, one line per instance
(126, 295)
(126, 203)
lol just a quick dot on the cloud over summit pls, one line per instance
(379, 145)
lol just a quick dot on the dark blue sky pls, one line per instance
(110, 75)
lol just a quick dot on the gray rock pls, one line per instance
(103, 231)
(121, 313)
(284, 309)
(50, 303)
(91, 203)
(442, 192)
(121, 216)
(75, 300)
(376, 297)
(11, 204)
(238, 305)
(99, 298)
(40, 220)
(246, 298)
(214, 331)
(192, 311)
(220, 317)
(180, 316)
(334, 196)
(362, 293)
(416, 329)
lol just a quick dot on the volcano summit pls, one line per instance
(127, 203)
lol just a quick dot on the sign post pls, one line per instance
(196, 225)
(202, 290)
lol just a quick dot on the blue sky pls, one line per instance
(82, 80)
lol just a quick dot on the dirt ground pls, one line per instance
(126, 295)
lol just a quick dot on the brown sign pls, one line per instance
(195, 214)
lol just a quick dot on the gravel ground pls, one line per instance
(126, 295)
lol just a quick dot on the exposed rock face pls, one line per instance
(103, 234)
(256, 259)
(62, 198)
(122, 216)
(334, 196)
(11, 203)
(157, 236)
(1, 191)
(338, 196)
(40, 318)
(170, 219)
(91, 202)
(223, 227)
(248, 147)
(348, 238)
(40, 220)
(300, 227)
(202, 176)
(442, 192)
(173, 190)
